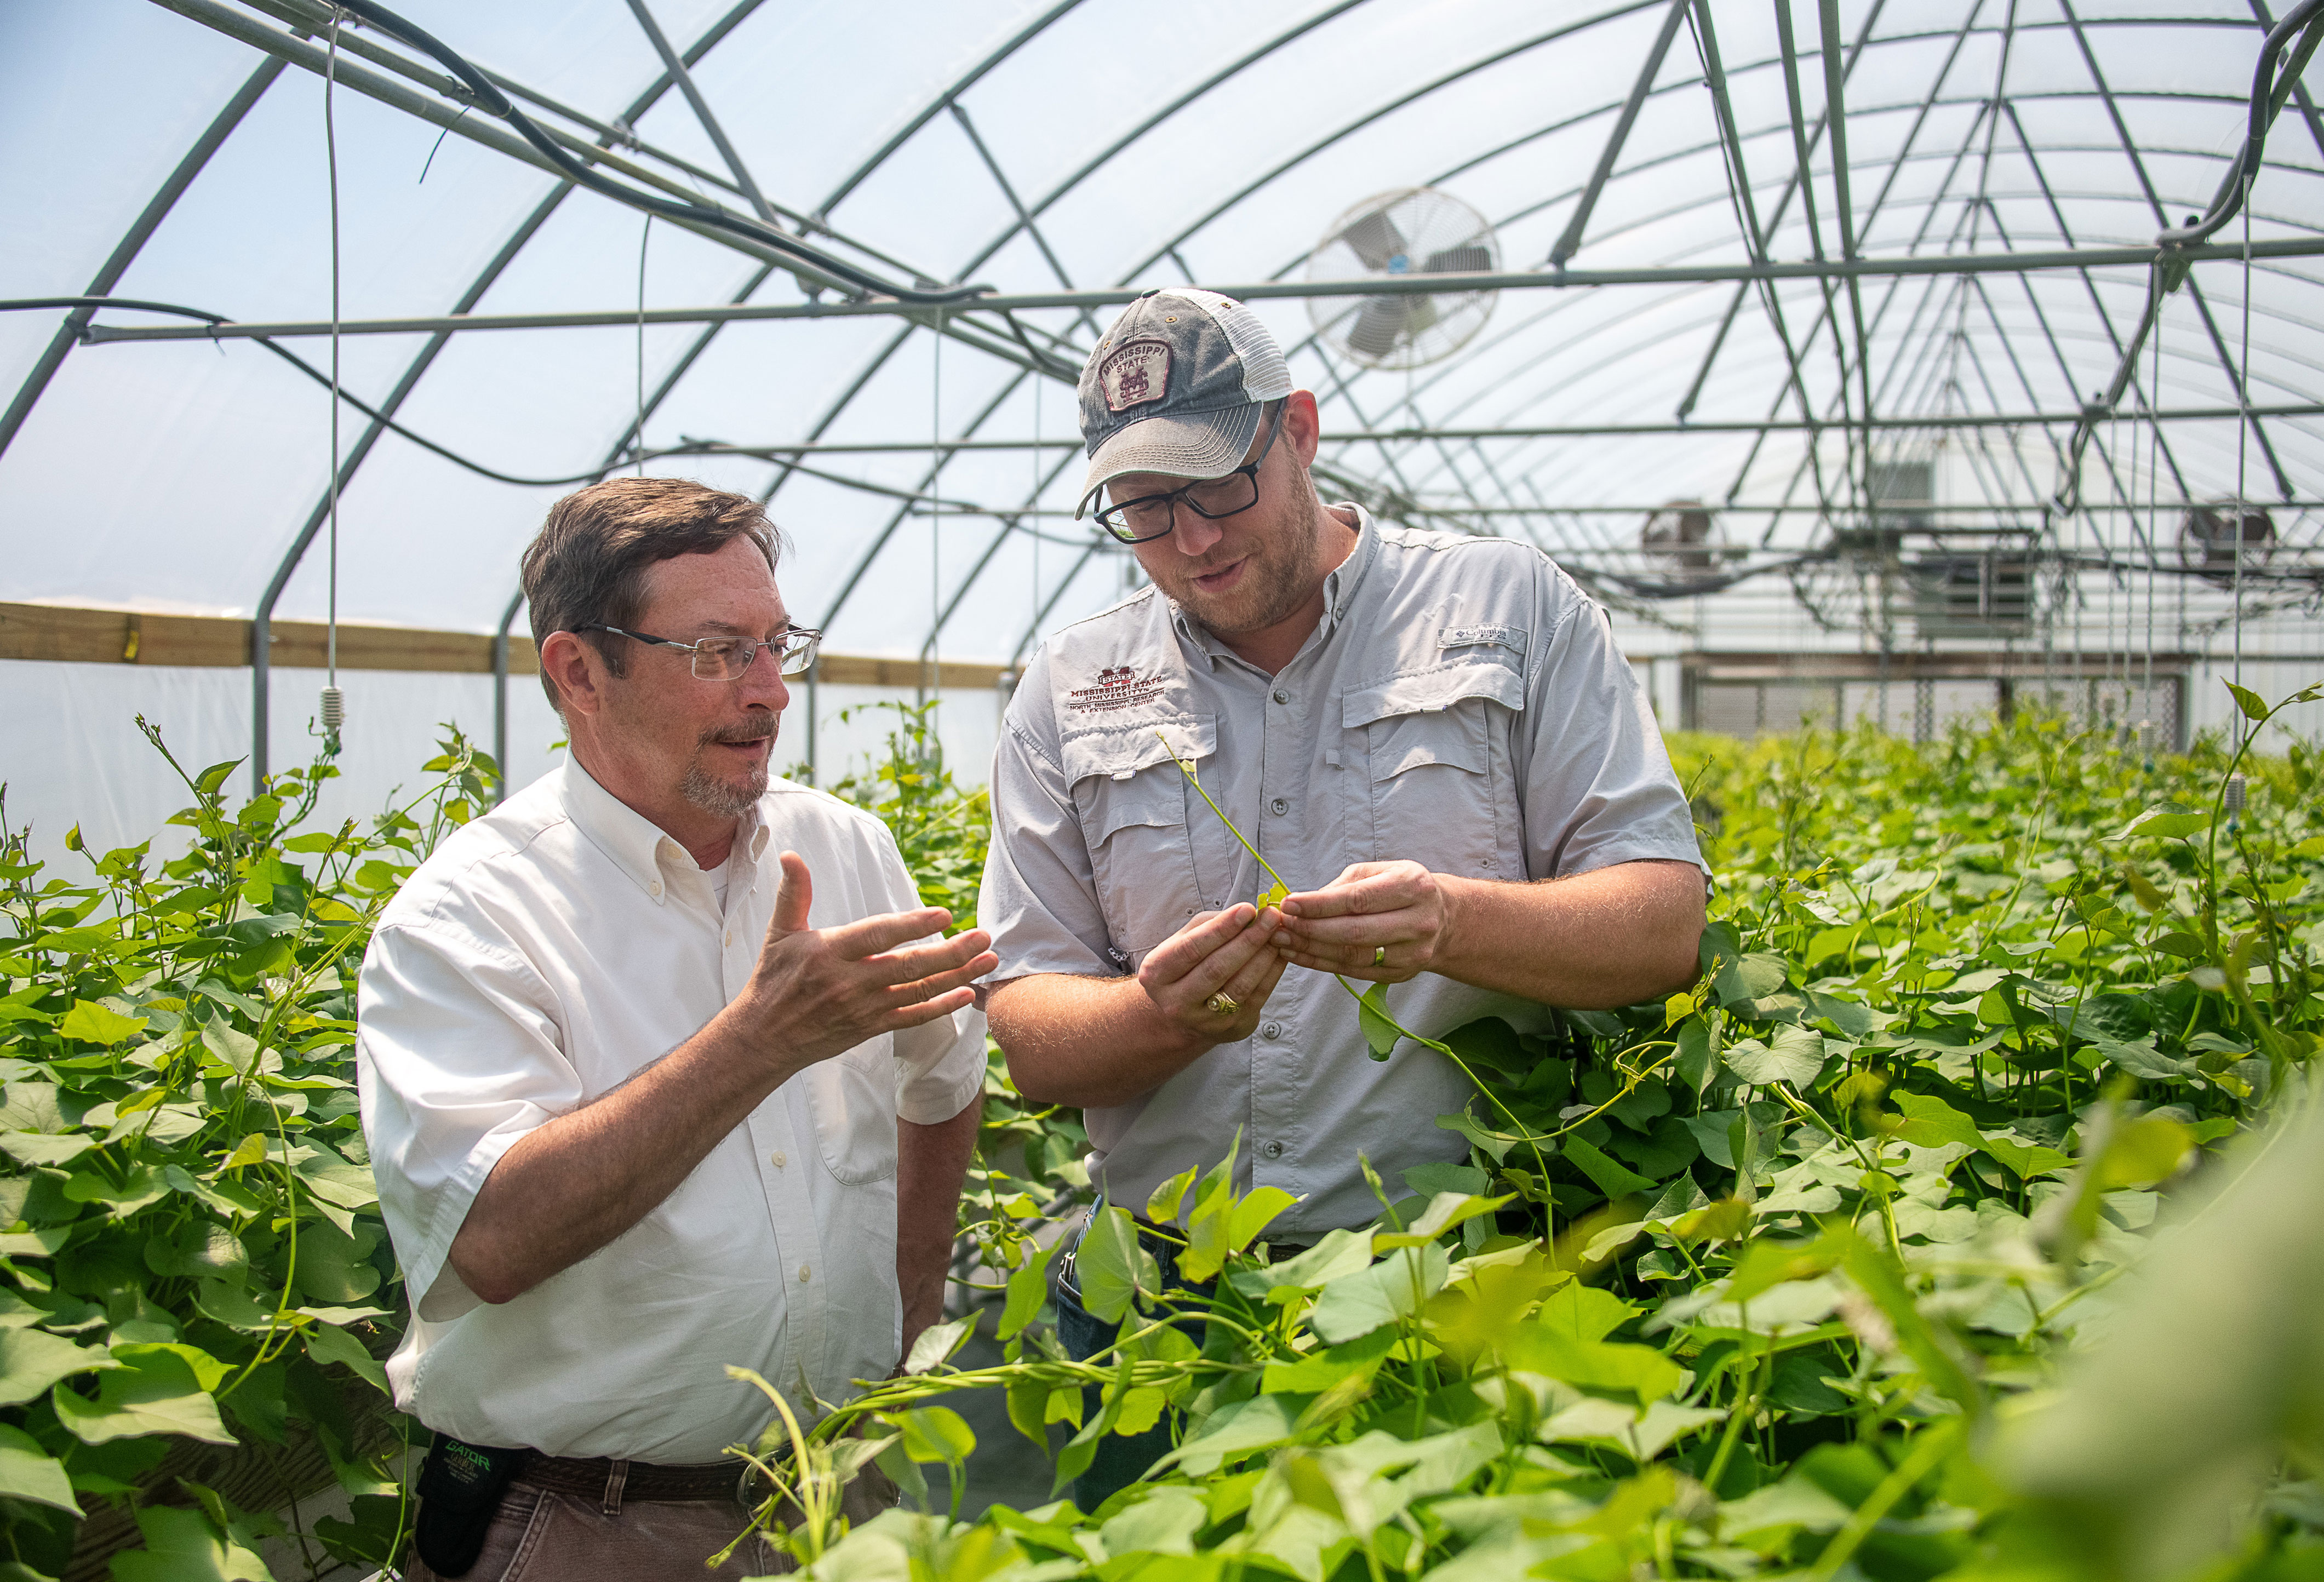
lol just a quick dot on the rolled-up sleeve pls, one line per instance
(458, 1057)
(1039, 899)
(1595, 780)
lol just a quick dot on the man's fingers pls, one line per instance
(1364, 929)
(1330, 963)
(1369, 894)
(1363, 887)
(1256, 978)
(927, 1010)
(794, 895)
(1179, 954)
(1216, 970)
(912, 990)
(868, 936)
(922, 961)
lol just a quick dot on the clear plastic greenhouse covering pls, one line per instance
(1791, 327)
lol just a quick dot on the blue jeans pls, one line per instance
(1122, 1459)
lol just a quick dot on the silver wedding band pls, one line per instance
(1223, 1003)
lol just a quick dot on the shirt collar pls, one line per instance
(1339, 592)
(633, 843)
(1340, 587)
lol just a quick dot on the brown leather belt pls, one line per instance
(594, 1477)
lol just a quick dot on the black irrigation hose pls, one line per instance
(1636, 587)
(2268, 94)
(1654, 588)
(493, 102)
(773, 456)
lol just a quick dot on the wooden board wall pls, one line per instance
(130, 637)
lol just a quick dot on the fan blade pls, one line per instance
(1379, 328)
(1374, 238)
(1468, 259)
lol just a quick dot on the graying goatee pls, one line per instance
(724, 798)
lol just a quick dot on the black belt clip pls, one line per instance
(461, 1486)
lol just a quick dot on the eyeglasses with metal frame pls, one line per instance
(726, 658)
(1153, 516)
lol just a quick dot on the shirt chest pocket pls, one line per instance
(852, 1097)
(1437, 786)
(1132, 802)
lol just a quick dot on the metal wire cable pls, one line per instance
(1034, 498)
(2243, 435)
(2153, 515)
(932, 672)
(778, 455)
(333, 702)
(638, 433)
(775, 455)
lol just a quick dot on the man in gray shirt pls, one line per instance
(1432, 738)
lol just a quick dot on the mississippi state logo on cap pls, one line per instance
(1137, 373)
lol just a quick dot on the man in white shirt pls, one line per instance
(663, 1068)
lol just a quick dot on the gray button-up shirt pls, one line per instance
(1460, 705)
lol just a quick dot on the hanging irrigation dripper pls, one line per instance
(334, 713)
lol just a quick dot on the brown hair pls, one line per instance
(587, 566)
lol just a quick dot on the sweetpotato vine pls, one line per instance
(1748, 1282)
(190, 1248)
(1745, 1281)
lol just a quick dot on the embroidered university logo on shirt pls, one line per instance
(1118, 687)
(1138, 373)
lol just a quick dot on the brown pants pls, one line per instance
(541, 1535)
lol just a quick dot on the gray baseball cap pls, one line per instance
(1176, 388)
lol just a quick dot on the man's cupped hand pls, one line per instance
(819, 992)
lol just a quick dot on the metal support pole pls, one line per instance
(500, 697)
(1822, 269)
(132, 241)
(685, 80)
(1570, 243)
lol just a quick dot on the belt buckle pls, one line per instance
(749, 1479)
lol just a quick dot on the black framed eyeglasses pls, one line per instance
(725, 658)
(1152, 516)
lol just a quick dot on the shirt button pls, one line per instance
(1279, 807)
(1270, 1030)
(1282, 696)
(654, 889)
(779, 1159)
(730, 933)
(803, 1274)
(1274, 1150)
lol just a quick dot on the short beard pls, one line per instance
(1276, 590)
(724, 798)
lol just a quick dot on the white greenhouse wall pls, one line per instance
(70, 751)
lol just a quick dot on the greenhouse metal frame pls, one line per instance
(1909, 305)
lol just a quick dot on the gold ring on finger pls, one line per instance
(1223, 1003)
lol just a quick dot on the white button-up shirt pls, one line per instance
(1460, 704)
(543, 956)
